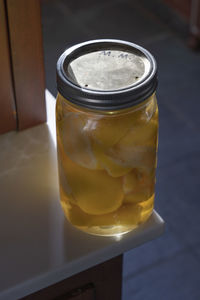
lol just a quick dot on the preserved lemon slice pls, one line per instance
(79, 218)
(65, 189)
(148, 204)
(109, 130)
(94, 191)
(137, 149)
(75, 215)
(134, 156)
(129, 214)
(138, 179)
(147, 208)
(130, 182)
(106, 162)
(64, 185)
(135, 197)
(141, 135)
(138, 186)
(75, 140)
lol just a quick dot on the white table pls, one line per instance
(38, 246)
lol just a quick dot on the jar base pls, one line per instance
(108, 230)
(114, 230)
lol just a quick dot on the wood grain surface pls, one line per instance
(24, 20)
(7, 103)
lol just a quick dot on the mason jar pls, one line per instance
(107, 133)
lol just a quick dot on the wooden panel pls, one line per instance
(7, 105)
(104, 280)
(24, 20)
(182, 6)
(85, 293)
(194, 38)
(195, 18)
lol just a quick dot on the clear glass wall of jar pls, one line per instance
(107, 163)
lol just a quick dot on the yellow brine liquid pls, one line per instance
(107, 164)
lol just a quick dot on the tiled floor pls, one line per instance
(167, 268)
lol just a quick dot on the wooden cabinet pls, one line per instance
(22, 85)
(7, 101)
(102, 282)
(190, 10)
(181, 6)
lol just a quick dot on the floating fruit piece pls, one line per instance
(137, 149)
(94, 191)
(107, 163)
(79, 218)
(138, 186)
(75, 215)
(135, 197)
(147, 208)
(141, 135)
(130, 182)
(110, 129)
(134, 156)
(75, 140)
(128, 214)
(65, 189)
(148, 204)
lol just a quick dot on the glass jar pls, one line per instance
(107, 127)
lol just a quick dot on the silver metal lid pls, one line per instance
(106, 74)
